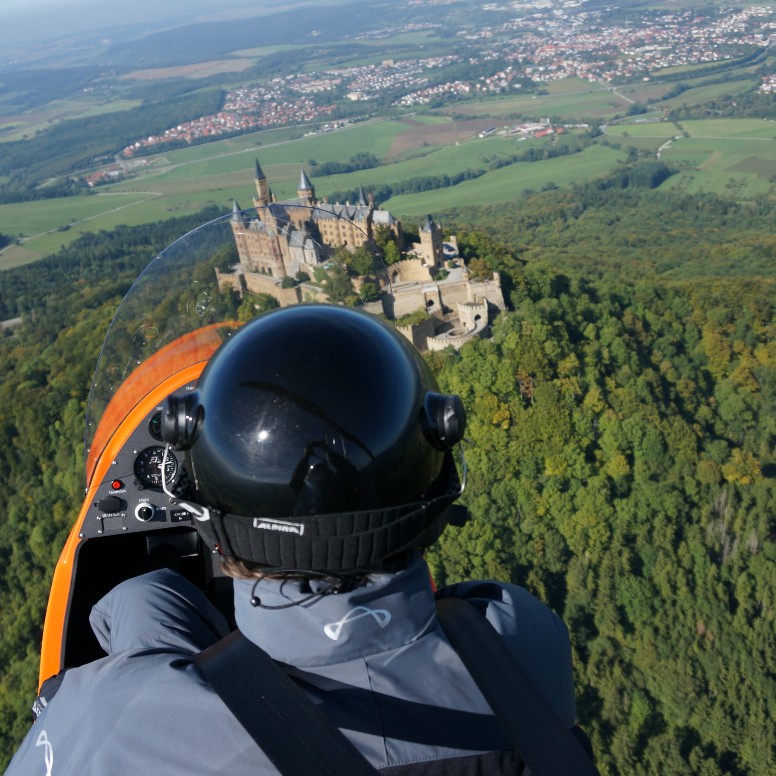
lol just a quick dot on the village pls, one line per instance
(544, 42)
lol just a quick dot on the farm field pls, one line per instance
(263, 51)
(509, 183)
(184, 181)
(287, 146)
(198, 70)
(16, 127)
(470, 155)
(726, 156)
(596, 102)
(107, 212)
(739, 128)
(26, 218)
(700, 94)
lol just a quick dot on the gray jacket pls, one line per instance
(375, 660)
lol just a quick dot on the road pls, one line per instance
(613, 90)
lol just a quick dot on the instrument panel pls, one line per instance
(132, 499)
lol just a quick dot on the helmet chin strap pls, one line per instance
(341, 543)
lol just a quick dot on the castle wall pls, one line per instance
(233, 279)
(262, 284)
(446, 295)
(473, 323)
(416, 297)
(490, 290)
(419, 333)
(454, 340)
(410, 271)
(340, 231)
(471, 313)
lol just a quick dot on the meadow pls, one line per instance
(181, 181)
(571, 99)
(508, 184)
(18, 127)
(724, 156)
(727, 156)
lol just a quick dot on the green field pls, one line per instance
(726, 156)
(264, 51)
(508, 183)
(418, 37)
(735, 156)
(701, 94)
(184, 181)
(26, 125)
(78, 215)
(567, 101)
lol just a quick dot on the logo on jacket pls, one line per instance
(267, 524)
(380, 616)
(48, 755)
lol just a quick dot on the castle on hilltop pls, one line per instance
(285, 247)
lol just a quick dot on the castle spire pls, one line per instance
(263, 196)
(428, 225)
(305, 190)
(237, 215)
(304, 182)
(361, 196)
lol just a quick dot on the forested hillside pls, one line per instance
(77, 143)
(621, 450)
(622, 468)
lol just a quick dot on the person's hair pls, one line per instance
(237, 568)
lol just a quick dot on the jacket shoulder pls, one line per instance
(535, 635)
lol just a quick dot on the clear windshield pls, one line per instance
(219, 276)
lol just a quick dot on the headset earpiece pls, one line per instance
(180, 419)
(444, 420)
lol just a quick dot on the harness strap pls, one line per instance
(290, 729)
(298, 737)
(533, 727)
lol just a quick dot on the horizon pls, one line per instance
(22, 24)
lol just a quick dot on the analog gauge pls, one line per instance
(148, 467)
(155, 426)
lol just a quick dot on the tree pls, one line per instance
(479, 269)
(338, 285)
(391, 252)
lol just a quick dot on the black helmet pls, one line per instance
(317, 440)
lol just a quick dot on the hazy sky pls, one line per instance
(122, 11)
(35, 21)
(7, 5)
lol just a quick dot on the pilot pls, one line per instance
(319, 463)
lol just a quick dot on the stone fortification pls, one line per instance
(276, 244)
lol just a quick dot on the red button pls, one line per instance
(117, 484)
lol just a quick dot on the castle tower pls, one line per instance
(305, 190)
(431, 242)
(263, 194)
(239, 228)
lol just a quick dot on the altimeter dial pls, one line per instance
(148, 467)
